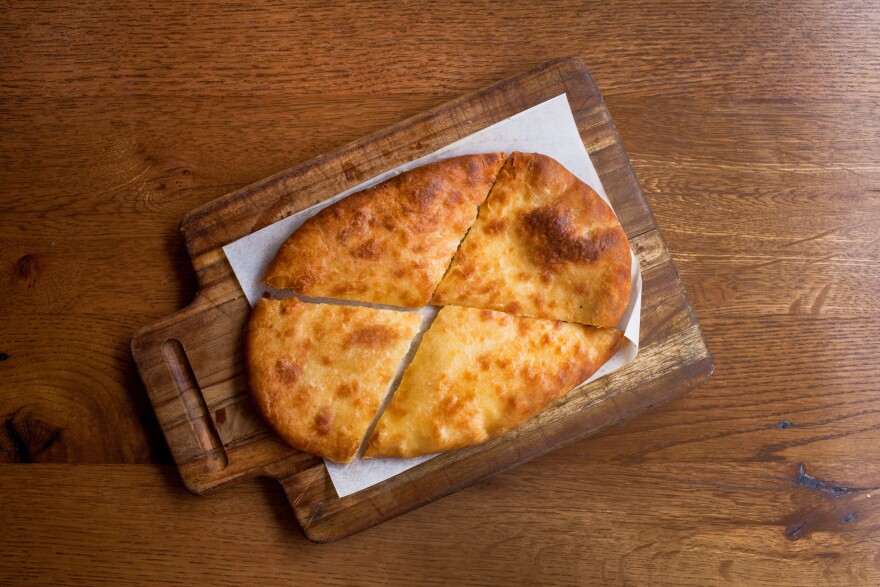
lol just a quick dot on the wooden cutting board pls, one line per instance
(192, 361)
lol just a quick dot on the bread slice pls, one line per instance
(318, 372)
(545, 245)
(479, 373)
(389, 244)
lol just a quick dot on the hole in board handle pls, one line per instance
(194, 404)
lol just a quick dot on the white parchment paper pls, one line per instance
(547, 128)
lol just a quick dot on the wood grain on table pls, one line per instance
(755, 131)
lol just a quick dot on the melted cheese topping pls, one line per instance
(480, 373)
(318, 372)
(544, 245)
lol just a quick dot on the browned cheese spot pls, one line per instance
(538, 300)
(488, 288)
(357, 224)
(426, 195)
(512, 307)
(347, 288)
(370, 336)
(555, 240)
(485, 315)
(323, 421)
(454, 198)
(288, 371)
(513, 403)
(484, 362)
(528, 373)
(474, 170)
(564, 372)
(396, 411)
(302, 282)
(496, 226)
(500, 199)
(422, 248)
(449, 405)
(369, 249)
(347, 389)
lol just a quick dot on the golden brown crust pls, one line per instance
(479, 373)
(544, 245)
(318, 372)
(389, 244)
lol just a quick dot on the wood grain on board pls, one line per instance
(753, 128)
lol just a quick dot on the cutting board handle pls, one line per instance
(168, 355)
(160, 353)
(200, 421)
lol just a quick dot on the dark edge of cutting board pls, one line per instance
(192, 361)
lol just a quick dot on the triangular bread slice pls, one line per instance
(544, 245)
(389, 244)
(479, 373)
(318, 372)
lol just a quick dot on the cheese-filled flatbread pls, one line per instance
(544, 245)
(479, 373)
(389, 244)
(318, 372)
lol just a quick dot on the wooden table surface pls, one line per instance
(754, 129)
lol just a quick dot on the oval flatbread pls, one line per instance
(318, 372)
(479, 373)
(544, 245)
(389, 244)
